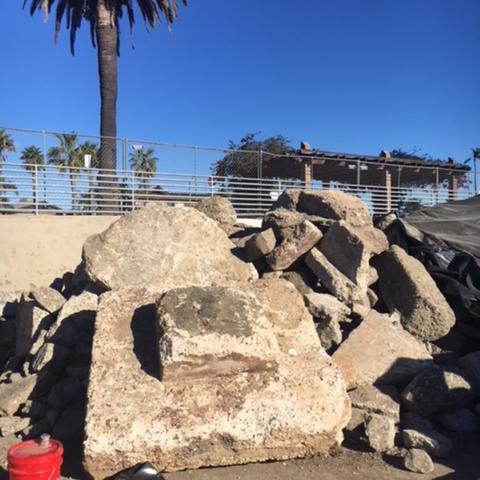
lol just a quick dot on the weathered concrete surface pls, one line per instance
(380, 351)
(163, 248)
(219, 209)
(303, 238)
(39, 248)
(383, 400)
(296, 409)
(260, 244)
(406, 286)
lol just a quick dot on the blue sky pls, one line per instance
(345, 75)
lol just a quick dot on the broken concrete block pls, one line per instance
(288, 199)
(220, 210)
(329, 334)
(11, 424)
(431, 441)
(260, 244)
(14, 394)
(418, 461)
(303, 238)
(49, 299)
(382, 352)
(299, 279)
(296, 409)
(336, 205)
(282, 222)
(326, 307)
(163, 247)
(380, 431)
(406, 286)
(372, 277)
(350, 249)
(383, 400)
(30, 321)
(436, 389)
(332, 279)
(51, 356)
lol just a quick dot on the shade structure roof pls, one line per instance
(363, 169)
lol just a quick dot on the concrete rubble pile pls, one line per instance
(187, 339)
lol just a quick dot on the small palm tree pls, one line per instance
(7, 145)
(144, 164)
(67, 157)
(32, 160)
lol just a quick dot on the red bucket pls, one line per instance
(38, 459)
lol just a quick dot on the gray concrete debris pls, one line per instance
(383, 400)
(13, 395)
(303, 238)
(380, 431)
(462, 420)
(299, 279)
(432, 442)
(332, 279)
(163, 247)
(49, 299)
(406, 286)
(380, 351)
(282, 222)
(323, 306)
(437, 389)
(418, 461)
(219, 209)
(260, 244)
(329, 333)
(11, 424)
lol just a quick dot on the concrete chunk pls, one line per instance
(14, 394)
(380, 431)
(406, 286)
(49, 299)
(260, 244)
(383, 400)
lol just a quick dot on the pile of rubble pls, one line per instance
(190, 340)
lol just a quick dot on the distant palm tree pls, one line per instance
(67, 157)
(7, 145)
(32, 159)
(144, 164)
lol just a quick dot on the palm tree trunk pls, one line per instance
(107, 38)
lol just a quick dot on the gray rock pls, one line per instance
(372, 277)
(219, 209)
(34, 409)
(299, 280)
(470, 364)
(418, 461)
(336, 205)
(329, 334)
(406, 286)
(282, 222)
(303, 238)
(383, 400)
(14, 394)
(51, 356)
(332, 279)
(380, 351)
(11, 424)
(413, 421)
(260, 244)
(323, 306)
(461, 421)
(431, 441)
(350, 249)
(288, 199)
(436, 389)
(49, 299)
(163, 248)
(380, 431)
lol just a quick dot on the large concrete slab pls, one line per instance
(292, 404)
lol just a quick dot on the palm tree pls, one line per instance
(144, 164)
(67, 156)
(7, 145)
(32, 160)
(103, 17)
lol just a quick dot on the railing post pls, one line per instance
(132, 179)
(35, 193)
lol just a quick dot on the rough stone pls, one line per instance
(431, 441)
(383, 400)
(418, 461)
(329, 333)
(11, 424)
(470, 364)
(219, 209)
(380, 431)
(51, 356)
(282, 222)
(436, 389)
(350, 249)
(14, 394)
(288, 199)
(163, 248)
(5, 444)
(461, 421)
(260, 244)
(382, 352)
(406, 286)
(303, 238)
(372, 276)
(295, 409)
(326, 307)
(336, 205)
(332, 279)
(49, 299)
(30, 321)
